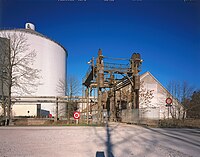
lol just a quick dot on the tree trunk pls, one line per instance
(9, 104)
(3, 105)
(184, 112)
(9, 90)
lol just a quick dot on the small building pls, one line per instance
(152, 101)
(155, 107)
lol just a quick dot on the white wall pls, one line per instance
(22, 110)
(51, 60)
(158, 102)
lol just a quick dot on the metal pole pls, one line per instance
(87, 95)
(56, 109)
(168, 112)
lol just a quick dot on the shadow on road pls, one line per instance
(174, 136)
(107, 142)
(109, 145)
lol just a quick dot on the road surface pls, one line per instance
(116, 140)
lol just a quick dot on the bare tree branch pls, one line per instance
(70, 87)
(182, 93)
(22, 77)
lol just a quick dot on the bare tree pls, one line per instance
(62, 87)
(22, 78)
(187, 92)
(71, 87)
(194, 106)
(174, 89)
(182, 93)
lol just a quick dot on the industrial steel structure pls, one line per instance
(102, 75)
(48, 100)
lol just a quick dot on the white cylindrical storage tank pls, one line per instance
(51, 60)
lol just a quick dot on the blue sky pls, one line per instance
(165, 32)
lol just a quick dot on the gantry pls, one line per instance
(102, 75)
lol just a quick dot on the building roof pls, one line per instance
(30, 31)
(148, 73)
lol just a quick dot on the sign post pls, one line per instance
(76, 116)
(168, 104)
(168, 101)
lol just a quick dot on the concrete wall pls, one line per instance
(31, 121)
(22, 110)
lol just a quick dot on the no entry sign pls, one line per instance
(168, 101)
(76, 115)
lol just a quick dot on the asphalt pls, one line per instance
(114, 140)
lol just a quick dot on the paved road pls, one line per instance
(117, 140)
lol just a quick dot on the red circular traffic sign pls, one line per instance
(168, 101)
(76, 115)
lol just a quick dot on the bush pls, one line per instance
(175, 123)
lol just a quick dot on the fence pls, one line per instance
(143, 116)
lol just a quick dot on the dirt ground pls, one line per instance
(115, 140)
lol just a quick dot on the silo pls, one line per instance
(51, 60)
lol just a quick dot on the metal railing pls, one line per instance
(116, 67)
